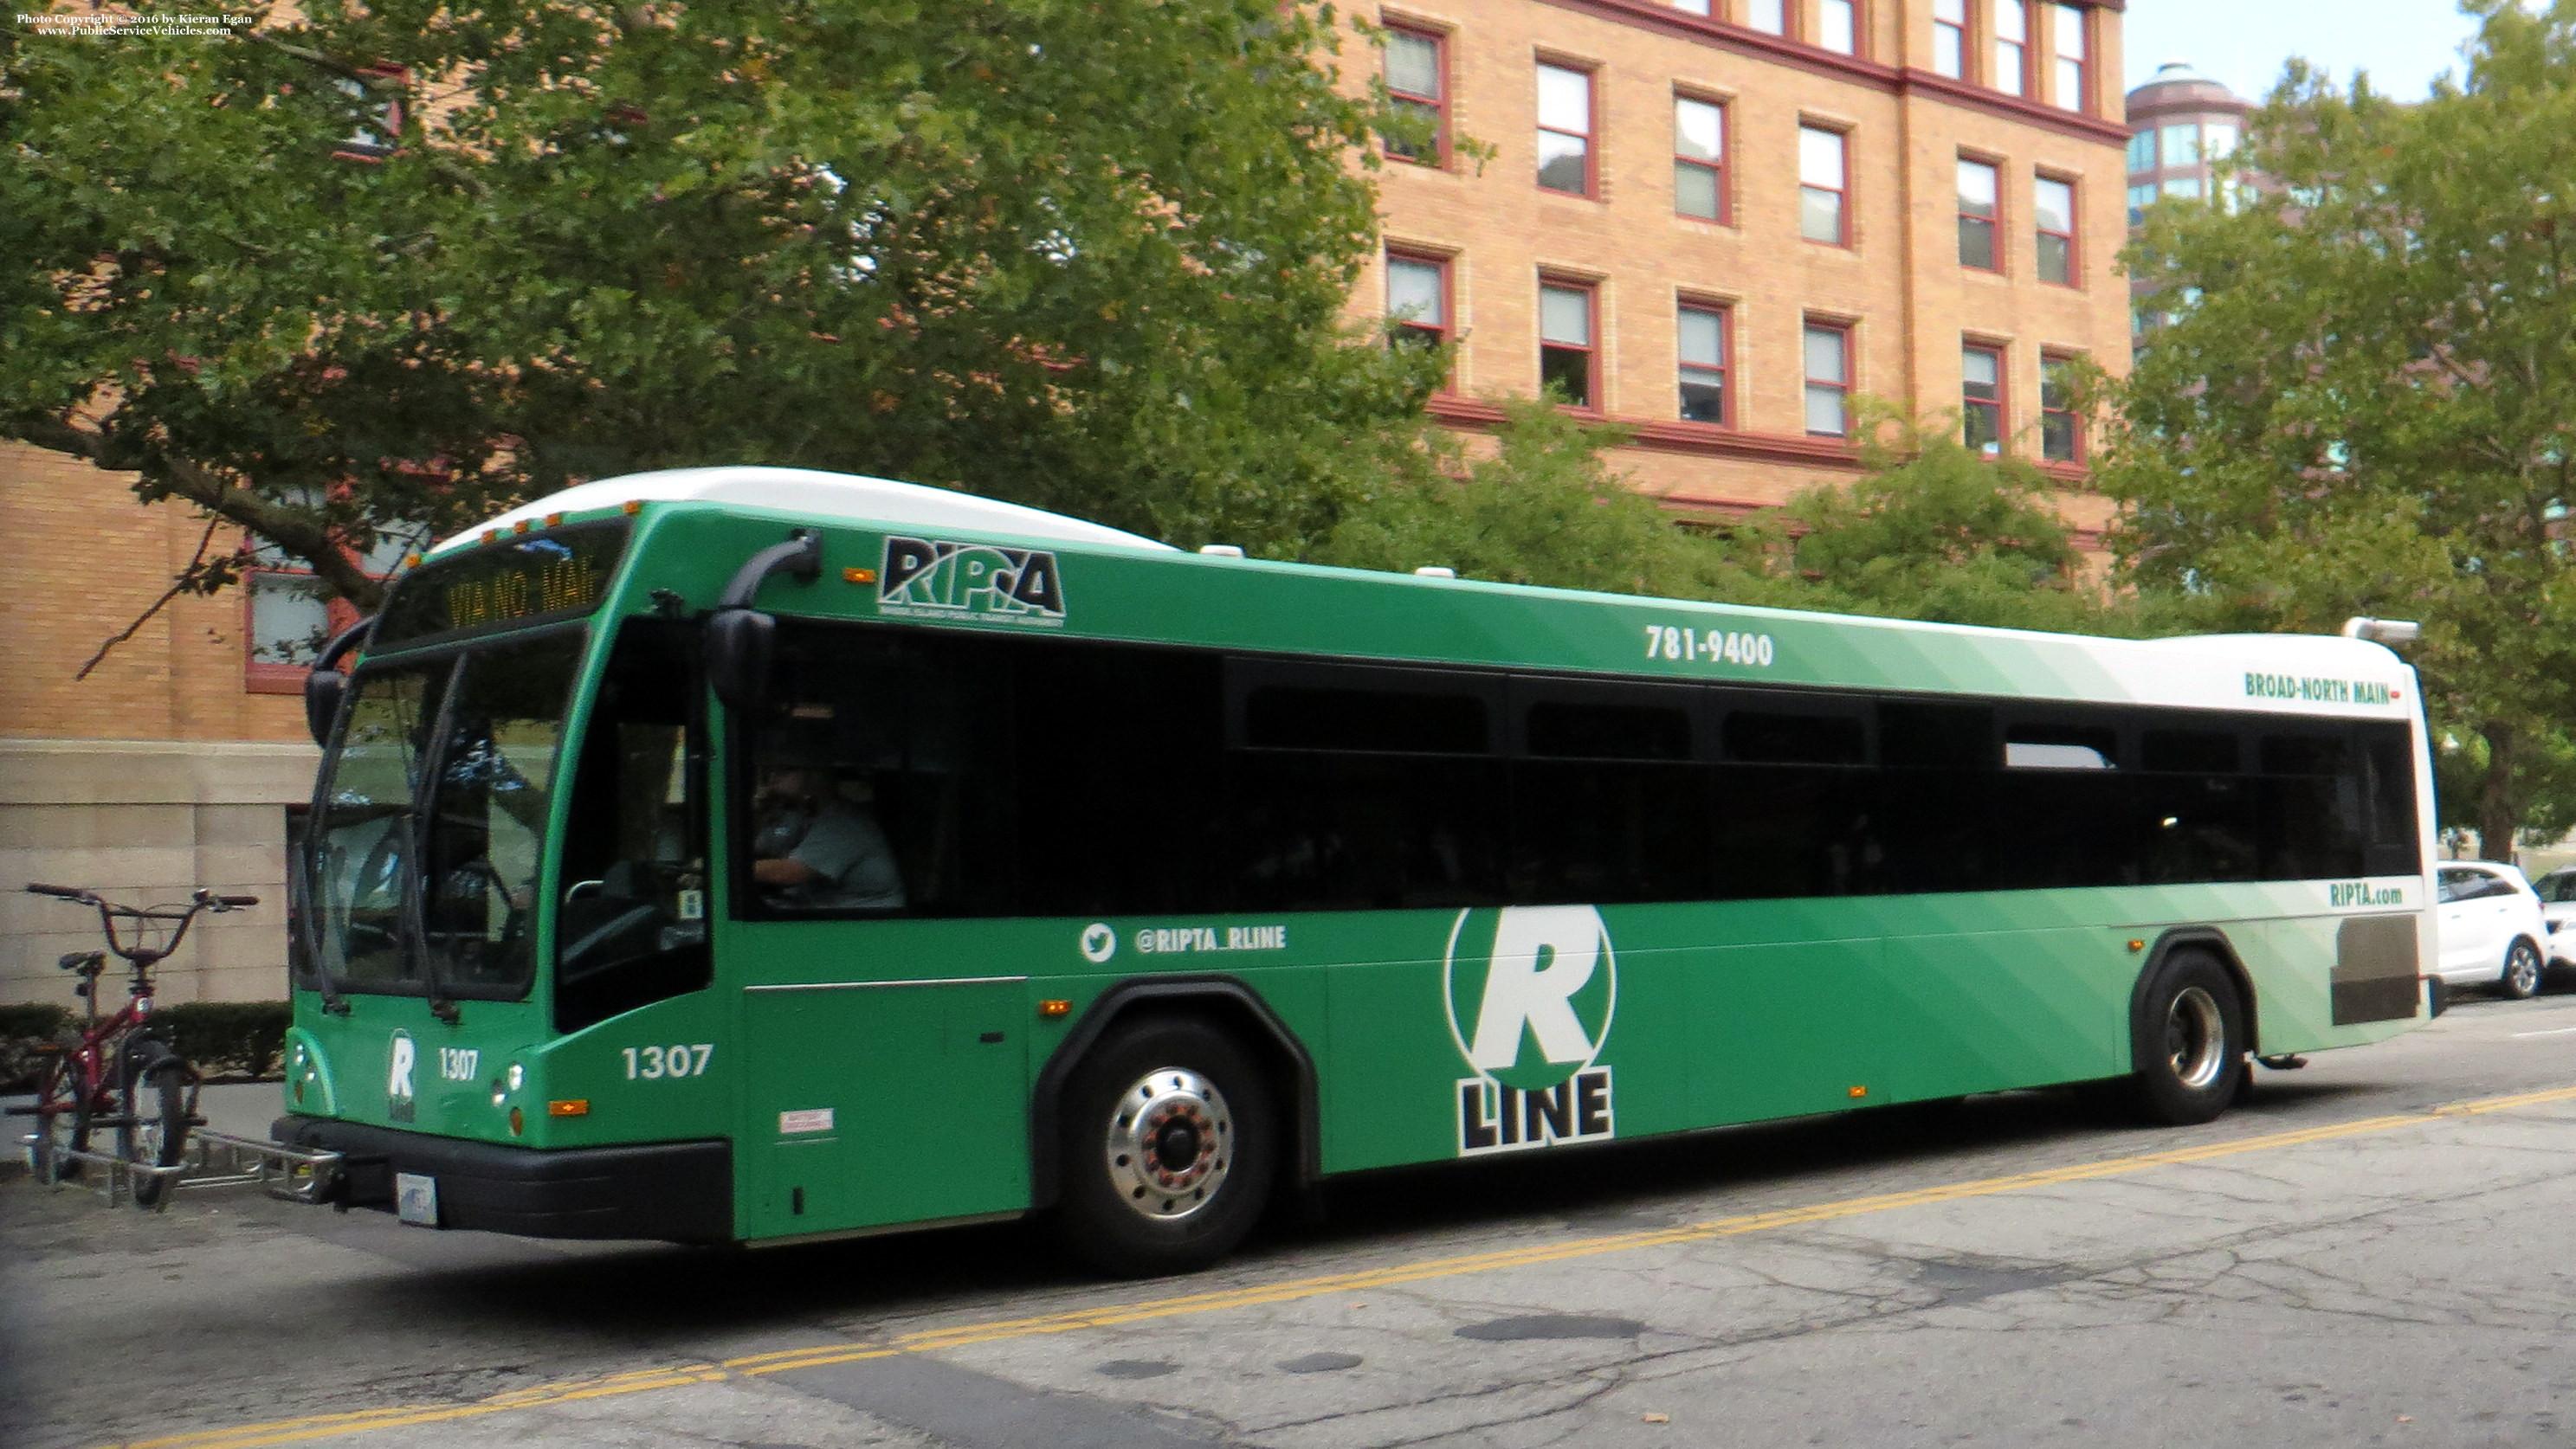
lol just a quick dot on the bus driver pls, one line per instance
(817, 851)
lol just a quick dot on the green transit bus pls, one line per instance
(748, 854)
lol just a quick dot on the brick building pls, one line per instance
(174, 765)
(1716, 220)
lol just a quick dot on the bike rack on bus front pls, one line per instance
(215, 1159)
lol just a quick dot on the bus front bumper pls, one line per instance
(678, 1192)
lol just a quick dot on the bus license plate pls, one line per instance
(416, 1198)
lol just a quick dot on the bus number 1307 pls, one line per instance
(652, 1062)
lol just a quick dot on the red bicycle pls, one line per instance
(113, 1072)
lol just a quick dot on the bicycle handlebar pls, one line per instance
(227, 903)
(69, 893)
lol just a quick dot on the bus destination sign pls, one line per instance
(561, 573)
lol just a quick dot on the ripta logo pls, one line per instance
(399, 1103)
(1531, 990)
(935, 578)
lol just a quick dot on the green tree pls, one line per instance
(2365, 398)
(1936, 531)
(406, 260)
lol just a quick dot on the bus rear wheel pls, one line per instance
(2188, 1042)
(1169, 1148)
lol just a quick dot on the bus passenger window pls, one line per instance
(2316, 814)
(1794, 739)
(1281, 718)
(633, 925)
(1558, 730)
(2189, 752)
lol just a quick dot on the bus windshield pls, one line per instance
(424, 869)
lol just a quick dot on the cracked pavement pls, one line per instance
(2404, 1284)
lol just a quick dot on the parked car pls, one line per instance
(2558, 902)
(2493, 928)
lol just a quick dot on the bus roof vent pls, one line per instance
(815, 495)
(1436, 571)
(2382, 631)
(1221, 550)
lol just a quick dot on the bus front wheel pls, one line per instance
(2189, 1041)
(1169, 1148)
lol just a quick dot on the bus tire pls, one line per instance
(2188, 1042)
(1169, 1148)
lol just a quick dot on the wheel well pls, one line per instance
(2215, 942)
(1221, 1001)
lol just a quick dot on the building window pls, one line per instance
(2142, 151)
(292, 613)
(2066, 22)
(1981, 398)
(2218, 139)
(1821, 171)
(1979, 186)
(1417, 81)
(1565, 341)
(1699, 159)
(2052, 213)
(1700, 338)
(2182, 144)
(2061, 432)
(1565, 129)
(1950, 38)
(2183, 186)
(2012, 47)
(2141, 196)
(1769, 16)
(1417, 299)
(1695, 7)
(1828, 361)
(1837, 27)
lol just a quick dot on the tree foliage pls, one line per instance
(2366, 397)
(1930, 530)
(1089, 256)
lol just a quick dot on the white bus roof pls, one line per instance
(820, 495)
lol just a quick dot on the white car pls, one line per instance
(2493, 931)
(2558, 902)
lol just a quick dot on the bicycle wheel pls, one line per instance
(64, 1108)
(154, 1131)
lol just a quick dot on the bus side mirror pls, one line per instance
(740, 644)
(322, 691)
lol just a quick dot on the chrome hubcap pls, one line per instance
(2195, 1037)
(1171, 1143)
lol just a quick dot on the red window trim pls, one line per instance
(2021, 85)
(1725, 145)
(1790, 15)
(264, 678)
(1727, 416)
(1851, 365)
(2075, 419)
(1842, 208)
(2074, 236)
(2083, 67)
(1860, 28)
(1447, 331)
(2002, 354)
(1995, 222)
(1591, 123)
(1438, 160)
(1967, 28)
(1592, 405)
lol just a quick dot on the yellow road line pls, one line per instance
(325, 1426)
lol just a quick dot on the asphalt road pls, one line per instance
(2370, 1251)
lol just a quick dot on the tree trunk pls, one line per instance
(2499, 801)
